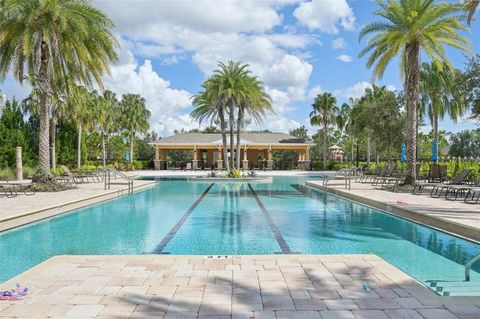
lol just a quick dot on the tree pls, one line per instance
(470, 6)
(410, 27)
(107, 118)
(323, 114)
(135, 117)
(53, 41)
(471, 80)
(441, 95)
(465, 143)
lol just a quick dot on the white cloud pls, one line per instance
(325, 15)
(313, 92)
(354, 91)
(339, 43)
(164, 102)
(345, 58)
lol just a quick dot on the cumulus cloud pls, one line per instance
(325, 15)
(345, 58)
(339, 43)
(354, 91)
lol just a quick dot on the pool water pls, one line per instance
(178, 216)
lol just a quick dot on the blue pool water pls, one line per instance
(182, 217)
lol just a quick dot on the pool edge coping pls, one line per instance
(25, 218)
(438, 223)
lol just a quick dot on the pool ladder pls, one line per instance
(468, 266)
(344, 174)
(113, 173)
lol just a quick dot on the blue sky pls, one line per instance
(297, 48)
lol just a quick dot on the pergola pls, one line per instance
(256, 149)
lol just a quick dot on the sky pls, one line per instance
(297, 48)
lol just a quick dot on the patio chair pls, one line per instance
(79, 178)
(11, 189)
(369, 176)
(399, 176)
(437, 189)
(472, 196)
(454, 191)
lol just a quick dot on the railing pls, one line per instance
(345, 174)
(468, 266)
(113, 173)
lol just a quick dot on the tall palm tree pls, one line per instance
(410, 27)
(209, 105)
(107, 118)
(441, 95)
(135, 117)
(47, 41)
(323, 114)
(470, 6)
(254, 102)
(81, 109)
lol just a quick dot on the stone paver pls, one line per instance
(294, 286)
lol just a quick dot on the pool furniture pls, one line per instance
(454, 191)
(472, 196)
(437, 189)
(80, 178)
(10, 189)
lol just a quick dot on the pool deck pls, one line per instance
(277, 287)
(26, 209)
(451, 216)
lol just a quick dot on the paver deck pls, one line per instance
(25, 209)
(453, 216)
(286, 286)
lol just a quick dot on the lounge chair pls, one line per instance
(80, 178)
(11, 189)
(472, 196)
(454, 191)
(437, 189)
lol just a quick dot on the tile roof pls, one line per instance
(216, 138)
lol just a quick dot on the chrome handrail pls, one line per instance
(109, 172)
(347, 173)
(469, 265)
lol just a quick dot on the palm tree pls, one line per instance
(441, 95)
(410, 27)
(135, 117)
(52, 41)
(209, 105)
(254, 102)
(324, 113)
(470, 6)
(107, 118)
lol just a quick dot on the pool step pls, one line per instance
(456, 288)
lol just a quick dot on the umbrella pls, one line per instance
(434, 151)
(403, 158)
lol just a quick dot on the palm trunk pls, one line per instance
(412, 90)
(53, 137)
(104, 150)
(79, 146)
(369, 150)
(239, 127)
(43, 174)
(231, 120)
(132, 137)
(351, 148)
(224, 140)
(325, 137)
(435, 134)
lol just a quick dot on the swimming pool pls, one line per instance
(182, 217)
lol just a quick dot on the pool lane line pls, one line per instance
(160, 247)
(276, 232)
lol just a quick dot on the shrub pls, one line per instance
(7, 173)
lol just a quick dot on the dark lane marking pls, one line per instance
(276, 232)
(301, 188)
(159, 249)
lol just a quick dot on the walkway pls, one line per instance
(24, 209)
(454, 216)
(293, 286)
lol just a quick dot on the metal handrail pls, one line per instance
(469, 265)
(110, 172)
(346, 173)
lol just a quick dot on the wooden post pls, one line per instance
(19, 163)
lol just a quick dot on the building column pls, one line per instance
(195, 158)
(160, 162)
(220, 158)
(269, 158)
(245, 158)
